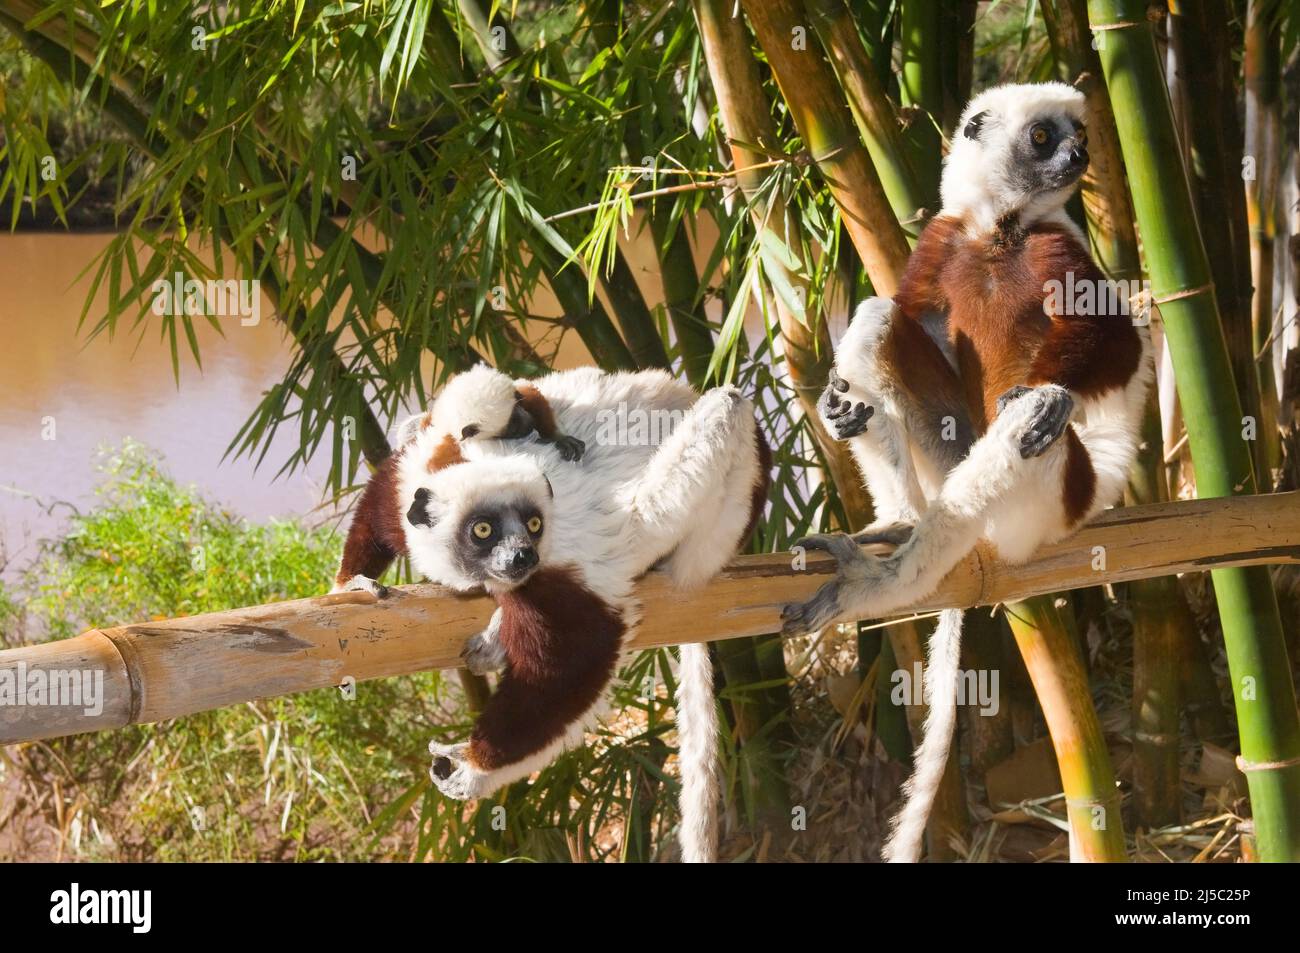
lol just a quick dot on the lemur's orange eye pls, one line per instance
(535, 525)
(1039, 136)
(482, 529)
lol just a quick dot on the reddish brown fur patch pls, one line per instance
(427, 420)
(994, 292)
(1079, 483)
(539, 409)
(375, 537)
(921, 288)
(445, 454)
(561, 643)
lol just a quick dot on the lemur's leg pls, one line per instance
(699, 483)
(895, 396)
(726, 521)
(374, 538)
(994, 472)
(483, 652)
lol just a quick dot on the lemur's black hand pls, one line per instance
(1052, 409)
(845, 418)
(571, 448)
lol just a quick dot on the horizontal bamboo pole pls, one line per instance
(159, 670)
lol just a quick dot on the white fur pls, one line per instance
(481, 396)
(615, 514)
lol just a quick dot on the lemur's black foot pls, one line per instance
(571, 448)
(827, 603)
(845, 418)
(1052, 409)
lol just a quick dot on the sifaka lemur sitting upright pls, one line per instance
(980, 403)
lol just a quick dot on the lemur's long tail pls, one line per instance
(697, 734)
(931, 757)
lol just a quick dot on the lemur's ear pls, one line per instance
(470, 430)
(974, 124)
(418, 514)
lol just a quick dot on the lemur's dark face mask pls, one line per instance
(500, 543)
(1053, 152)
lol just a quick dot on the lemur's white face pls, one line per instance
(479, 524)
(1017, 149)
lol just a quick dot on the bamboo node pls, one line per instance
(1247, 766)
(1185, 293)
(1145, 303)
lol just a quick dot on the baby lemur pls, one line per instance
(977, 403)
(559, 545)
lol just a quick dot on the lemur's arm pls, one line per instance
(559, 643)
(484, 653)
(533, 413)
(1082, 355)
(375, 537)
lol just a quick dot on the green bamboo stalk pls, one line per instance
(1158, 606)
(764, 790)
(920, 84)
(1180, 276)
(744, 112)
(1055, 666)
(875, 18)
(874, 114)
(1157, 638)
(1201, 41)
(817, 107)
(1263, 69)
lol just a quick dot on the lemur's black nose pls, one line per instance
(1079, 154)
(525, 557)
